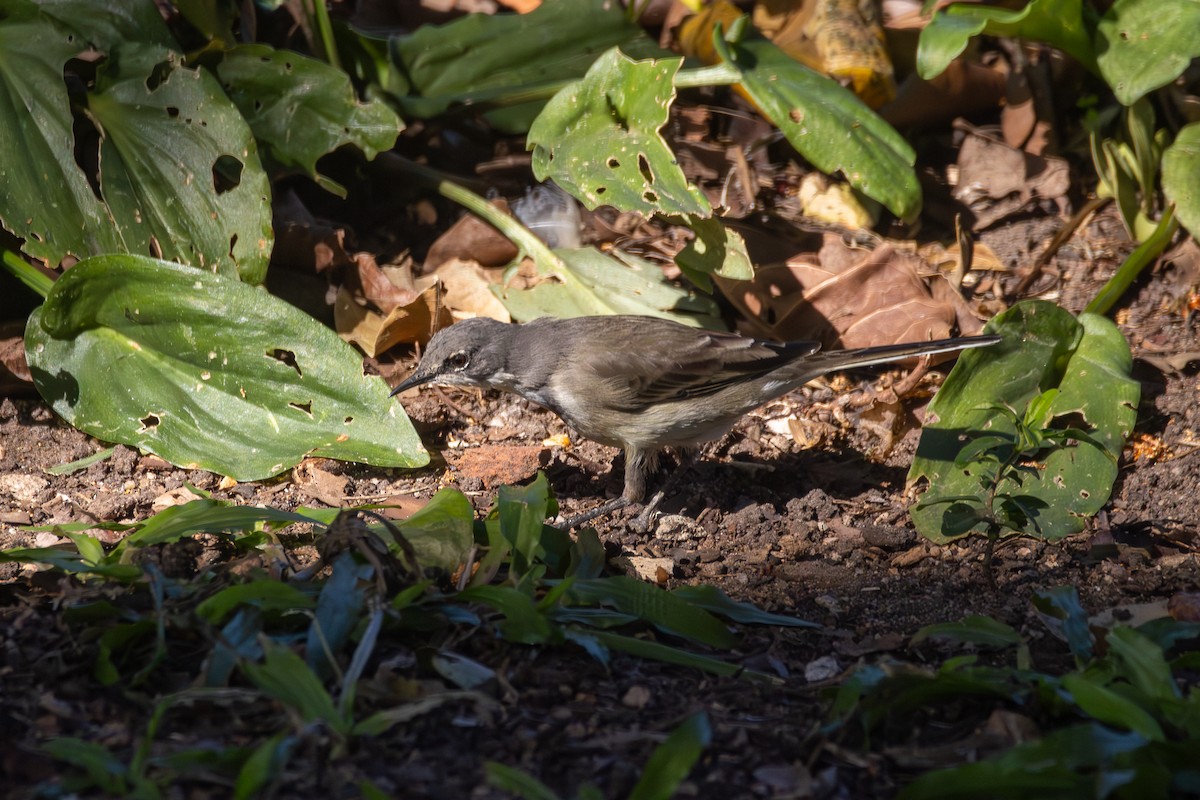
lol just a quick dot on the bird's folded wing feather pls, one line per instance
(698, 366)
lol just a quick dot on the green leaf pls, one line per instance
(461, 671)
(116, 642)
(213, 374)
(1067, 763)
(656, 651)
(517, 61)
(522, 512)
(263, 766)
(827, 123)
(103, 768)
(302, 109)
(1062, 612)
(82, 463)
(517, 782)
(240, 641)
(1050, 493)
(714, 250)
(1059, 23)
(1111, 708)
(975, 629)
(1180, 166)
(166, 131)
(1146, 44)
(284, 676)
(523, 622)
(267, 595)
(338, 608)
(208, 516)
(651, 604)
(442, 532)
(593, 283)
(599, 139)
(45, 199)
(1141, 662)
(179, 167)
(673, 759)
(103, 25)
(712, 599)
(70, 562)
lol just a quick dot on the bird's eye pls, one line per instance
(458, 360)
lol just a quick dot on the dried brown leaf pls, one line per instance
(844, 297)
(996, 181)
(472, 239)
(374, 332)
(468, 290)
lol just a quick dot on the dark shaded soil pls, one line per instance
(821, 534)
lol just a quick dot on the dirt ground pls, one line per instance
(819, 532)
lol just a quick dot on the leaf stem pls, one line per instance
(318, 16)
(1138, 260)
(26, 273)
(546, 260)
(716, 75)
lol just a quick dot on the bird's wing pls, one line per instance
(695, 364)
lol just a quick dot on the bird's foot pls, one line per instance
(641, 523)
(602, 510)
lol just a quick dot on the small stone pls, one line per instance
(637, 697)
(822, 669)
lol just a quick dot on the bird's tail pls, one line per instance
(828, 361)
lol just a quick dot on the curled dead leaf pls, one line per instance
(844, 297)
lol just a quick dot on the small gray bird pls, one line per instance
(640, 383)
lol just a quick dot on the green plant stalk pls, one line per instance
(26, 273)
(1142, 256)
(318, 15)
(525, 239)
(717, 75)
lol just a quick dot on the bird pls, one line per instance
(640, 383)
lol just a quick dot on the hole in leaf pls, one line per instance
(227, 174)
(87, 146)
(158, 75)
(644, 168)
(613, 163)
(348, 420)
(172, 112)
(649, 196)
(305, 407)
(1085, 494)
(601, 189)
(149, 422)
(232, 244)
(155, 247)
(285, 357)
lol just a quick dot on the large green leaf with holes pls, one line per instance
(207, 372)
(1081, 366)
(599, 139)
(300, 108)
(1146, 44)
(171, 168)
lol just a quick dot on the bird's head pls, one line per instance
(469, 353)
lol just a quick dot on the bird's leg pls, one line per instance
(634, 491)
(687, 458)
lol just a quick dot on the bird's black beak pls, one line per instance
(416, 379)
